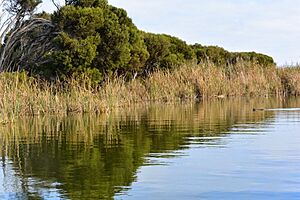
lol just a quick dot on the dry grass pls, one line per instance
(290, 80)
(23, 95)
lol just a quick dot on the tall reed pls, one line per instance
(21, 94)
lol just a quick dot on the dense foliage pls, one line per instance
(96, 39)
(222, 57)
(166, 51)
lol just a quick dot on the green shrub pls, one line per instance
(94, 36)
(215, 54)
(87, 3)
(43, 15)
(254, 57)
(97, 40)
(222, 57)
(166, 51)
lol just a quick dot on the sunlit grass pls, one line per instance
(23, 95)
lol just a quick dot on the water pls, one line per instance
(211, 150)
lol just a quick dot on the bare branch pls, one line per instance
(27, 44)
(1, 3)
(9, 24)
(13, 15)
(56, 4)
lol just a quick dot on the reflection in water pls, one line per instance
(100, 157)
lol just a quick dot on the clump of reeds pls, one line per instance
(290, 80)
(206, 80)
(21, 94)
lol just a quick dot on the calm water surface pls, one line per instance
(211, 150)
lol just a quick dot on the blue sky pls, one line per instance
(267, 26)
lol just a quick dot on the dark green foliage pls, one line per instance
(43, 15)
(254, 57)
(121, 47)
(114, 47)
(137, 47)
(79, 22)
(77, 55)
(179, 47)
(78, 40)
(223, 58)
(87, 3)
(166, 51)
(215, 54)
(96, 38)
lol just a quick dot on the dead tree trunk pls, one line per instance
(23, 39)
(27, 44)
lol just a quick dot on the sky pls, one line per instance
(266, 26)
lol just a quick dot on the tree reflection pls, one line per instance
(79, 157)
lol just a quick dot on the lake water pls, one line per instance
(211, 150)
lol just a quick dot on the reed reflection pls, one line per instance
(79, 157)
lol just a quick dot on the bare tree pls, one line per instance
(13, 12)
(28, 43)
(24, 38)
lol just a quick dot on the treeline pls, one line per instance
(96, 39)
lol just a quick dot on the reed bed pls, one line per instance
(158, 117)
(21, 94)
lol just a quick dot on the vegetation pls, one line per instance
(166, 51)
(106, 152)
(88, 56)
(221, 57)
(24, 95)
(290, 77)
(96, 39)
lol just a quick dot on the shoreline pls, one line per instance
(24, 95)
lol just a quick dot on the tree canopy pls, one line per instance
(98, 38)
(94, 38)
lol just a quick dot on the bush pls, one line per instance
(166, 51)
(95, 37)
(257, 58)
(215, 54)
(222, 57)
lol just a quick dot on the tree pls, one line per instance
(214, 54)
(126, 50)
(166, 51)
(87, 3)
(224, 58)
(14, 24)
(257, 58)
(96, 37)
(13, 12)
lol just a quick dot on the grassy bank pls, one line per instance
(24, 95)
